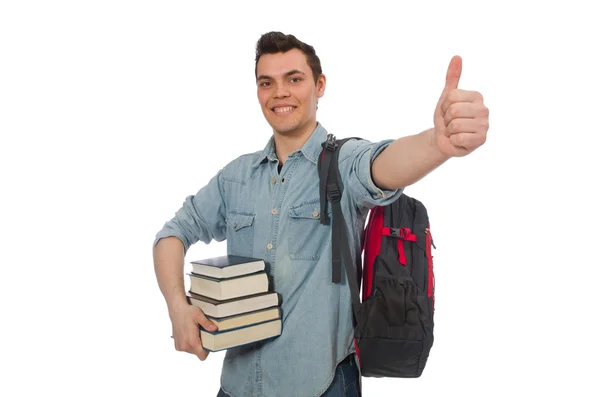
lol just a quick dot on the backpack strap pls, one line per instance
(329, 147)
(331, 189)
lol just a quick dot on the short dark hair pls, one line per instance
(274, 42)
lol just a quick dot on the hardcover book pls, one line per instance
(227, 266)
(231, 307)
(245, 319)
(229, 288)
(215, 341)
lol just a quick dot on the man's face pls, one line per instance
(287, 92)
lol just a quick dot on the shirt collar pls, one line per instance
(311, 149)
(268, 153)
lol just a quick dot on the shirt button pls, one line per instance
(273, 179)
(315, 213)
(274, 211)
(269, 246)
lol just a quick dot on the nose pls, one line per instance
(281, 91)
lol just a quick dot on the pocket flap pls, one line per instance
(239, 221)
(311, 210)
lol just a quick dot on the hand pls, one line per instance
(461, 120)
(185, 320)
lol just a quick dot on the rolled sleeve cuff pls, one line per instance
(375, 195)
(167, 232)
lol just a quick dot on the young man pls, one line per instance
(266, 205)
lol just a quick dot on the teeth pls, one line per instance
(283, 110)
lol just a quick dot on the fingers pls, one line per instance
(192, 343)
(204, 322)
(460, 115)
(458, 96)
(464, 110)
(469, 141)
(199, 351)
(189, 341)
(187, 333)
(457, 126)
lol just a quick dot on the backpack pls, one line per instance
(393, 325)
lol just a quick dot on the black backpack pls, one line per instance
(393, 325)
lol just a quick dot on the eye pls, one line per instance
(264, 84)
(296, 79)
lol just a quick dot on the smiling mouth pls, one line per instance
(283, 110)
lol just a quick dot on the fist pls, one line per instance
(185, 320)
(461, 120)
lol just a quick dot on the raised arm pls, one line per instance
(461, 122)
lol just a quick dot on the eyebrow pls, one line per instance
(288, 74)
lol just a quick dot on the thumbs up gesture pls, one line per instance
(461, 120)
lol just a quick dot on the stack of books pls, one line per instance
(233, 292)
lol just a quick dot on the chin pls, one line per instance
(284, 128)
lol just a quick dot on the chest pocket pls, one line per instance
(240, 233)
(307, 237)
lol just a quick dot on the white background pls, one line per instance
(112, 112)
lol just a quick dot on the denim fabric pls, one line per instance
(345, 383)
(275, 216)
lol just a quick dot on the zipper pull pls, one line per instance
(428, 232)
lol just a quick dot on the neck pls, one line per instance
(293, 140)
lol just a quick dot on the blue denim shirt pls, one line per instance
(273, 216)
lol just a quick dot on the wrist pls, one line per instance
(433, 145)
(176, 303)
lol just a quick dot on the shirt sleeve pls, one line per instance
(355, 160)
(201, 217)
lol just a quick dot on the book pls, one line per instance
(227, 266)
(219, 309)
(233, 292)
(229, 288)
(245, 319)
(221, 340)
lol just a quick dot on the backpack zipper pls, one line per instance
(431, 237)
(431, 277)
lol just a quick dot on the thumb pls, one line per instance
(204, 322)
(453, 74)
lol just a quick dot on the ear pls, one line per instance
(321, 83)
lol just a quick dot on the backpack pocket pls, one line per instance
(390, 358)
(391, 338)
(392, 310)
